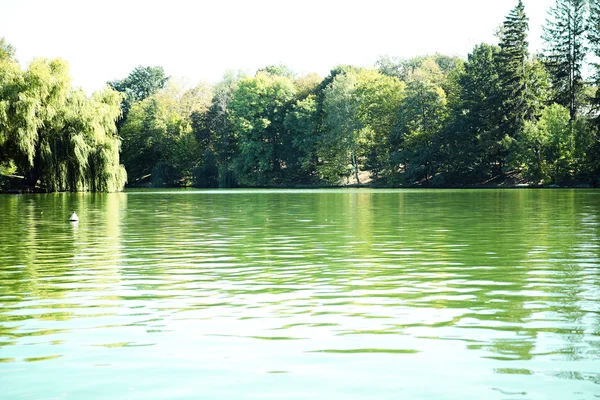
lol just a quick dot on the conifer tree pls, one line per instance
(594, 43)
(511, 62)
(593, 153)
(565, 34)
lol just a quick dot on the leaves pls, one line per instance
(564, 35)
(258, 107)
(58, 137)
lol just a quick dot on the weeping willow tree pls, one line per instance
(56, 136)
(80, 152)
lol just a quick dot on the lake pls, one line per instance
(324, 294)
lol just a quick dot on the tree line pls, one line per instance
(501, 115)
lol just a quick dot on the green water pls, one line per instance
(301, 295)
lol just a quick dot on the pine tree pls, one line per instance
(593, 153)
(594, 43)
(511, 62)
(565, 34)
(476, 150)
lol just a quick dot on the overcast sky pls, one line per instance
(199, 40)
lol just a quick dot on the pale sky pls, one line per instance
(200, 40)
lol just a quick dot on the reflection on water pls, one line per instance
(291, 294)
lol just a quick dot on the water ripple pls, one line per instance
(306, 294)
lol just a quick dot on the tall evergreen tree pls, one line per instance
(565, 34)
(475, 145)
(593, 153)
(594, 43)
(511, 62)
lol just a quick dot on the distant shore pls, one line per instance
(13, 185)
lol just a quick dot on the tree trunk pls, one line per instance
(355, 165)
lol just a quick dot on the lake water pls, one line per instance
(332, 294)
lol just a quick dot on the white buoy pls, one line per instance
(74, 217)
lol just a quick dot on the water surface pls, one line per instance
(341, 294)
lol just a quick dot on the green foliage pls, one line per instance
(158, 129)
(206, 175)
(278, 70)
(301, 159)
(257, 110)
(421, 118)
(404, 68)
(164, 175)
(7, 167)
(7, 51)
(546, 149)
(512, 72)
(307, 85)
(320, 94)
(492, 111)
(140, 84)
(56, 136)
(339, 145)
(213, 129)
(564, 35)
(392, 66)
(594, 43)
(427, 120)
(474, 143)
(379, 98)
(195, 100)
(360, 109)
(99, 131)
(587, 151)
(539, 88)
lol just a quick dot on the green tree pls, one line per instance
(302, 158)
(339, 145)
(278, 70)
(157, 132)
(403, 68)
(512, 71)
(206, 174)
(195, 100)
(360, 110)
(59, 138)
(392, 66)
(594, 43)
(379, 98)
(320, 95)
(539, 88)
(546, 149)
(214, 131)
(93, 120)
(307, 85)
(474, 140)
(7, 51)
(257, 110)
(300, 139)
(564, 36)
(140, 84)
(586, 154)
(415, 140)
(10, 76)
(480, 133)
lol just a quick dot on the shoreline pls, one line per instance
(16, 191)
(12, 184)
